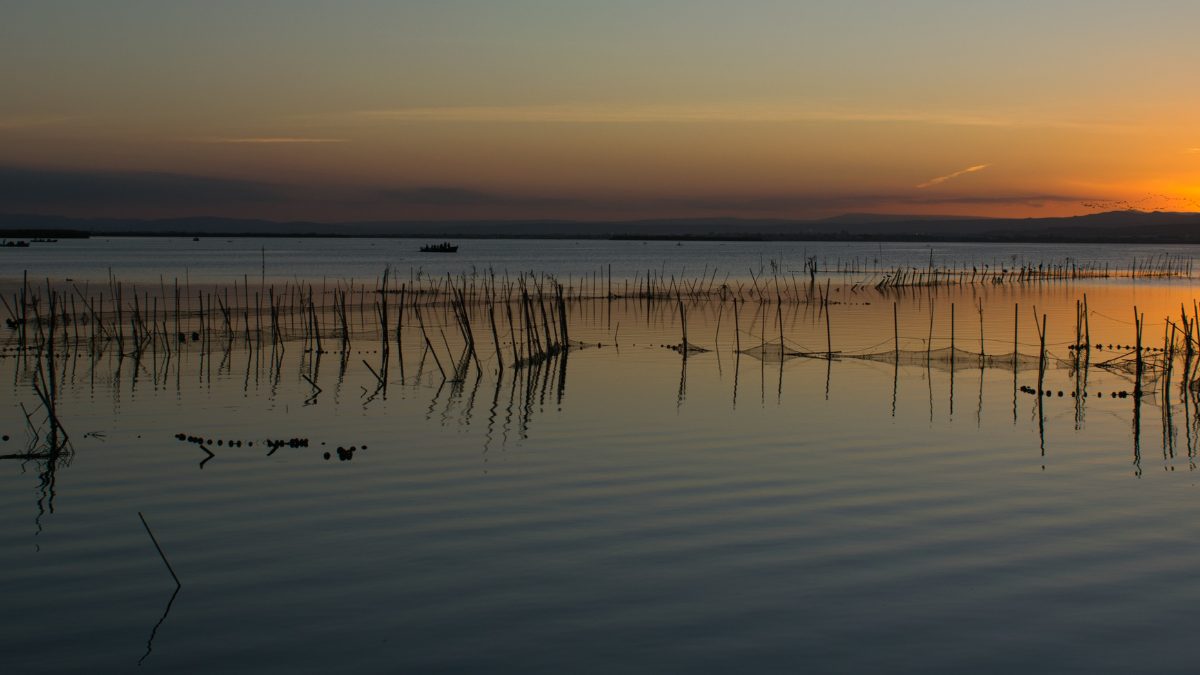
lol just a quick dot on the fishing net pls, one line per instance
(775, 352)
(946, 358)
(689, 347)
(952, 358)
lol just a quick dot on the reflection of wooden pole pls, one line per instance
(160, 551)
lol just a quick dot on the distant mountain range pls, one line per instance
(1114, 226)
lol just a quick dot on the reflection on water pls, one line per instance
(728, 482)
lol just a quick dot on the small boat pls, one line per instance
(17, 244)
(444, 247)
(195, 238)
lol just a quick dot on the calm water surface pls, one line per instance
(221, 260)
(617, 509)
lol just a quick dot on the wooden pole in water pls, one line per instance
(1079, 326)
(683, 347)
(896, 329)
(564, 338)
(779, 314)
(383, 311)
(1087, 330)
(162, 555)
(737, 331)
(429, 344)
(400, 324)
(952, 330)
(929, 342)
(1041, 355)
(1137, 381)
(828, 333)
(495, 335)
(981, 329)
(23, 310)
(512, 332)
(1016, 310)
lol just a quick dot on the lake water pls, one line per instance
(614, 507)
(220, 260)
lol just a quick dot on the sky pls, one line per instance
(597, 109)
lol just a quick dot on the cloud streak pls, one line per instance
(942, 179)
(127, 193)
(270, 140)
(765, 113)
(855, 201)
(760, 112)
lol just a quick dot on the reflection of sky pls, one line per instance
(221, 260)
(630, 510)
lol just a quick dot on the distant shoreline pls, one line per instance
(1117, 227)
(848, 238)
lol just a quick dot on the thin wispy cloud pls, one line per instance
(51, 190)
(270, 140)
(896, 202)
(762, 112)
(1192, 151)
(591, 114)
(651, 114)
(942, 179)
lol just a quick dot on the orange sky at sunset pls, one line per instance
(615, 110)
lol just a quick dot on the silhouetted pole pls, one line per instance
(896, 329)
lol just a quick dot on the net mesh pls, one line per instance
(946, 358)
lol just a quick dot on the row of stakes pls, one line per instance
(1100, 347)
(343, 454)
(1049, 393)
